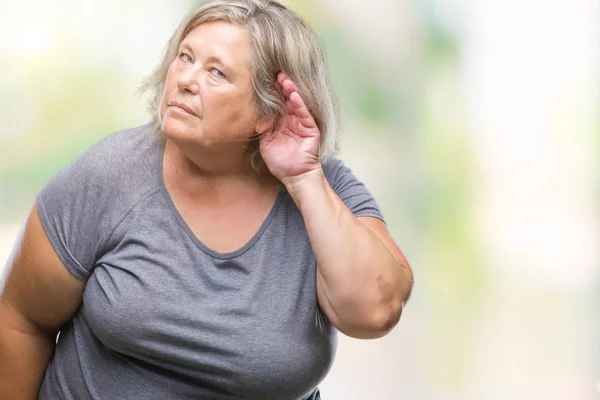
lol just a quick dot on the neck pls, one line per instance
(195, 174)
(232, 162)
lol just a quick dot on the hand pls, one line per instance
(292, 148)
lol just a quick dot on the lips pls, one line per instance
(182, 107)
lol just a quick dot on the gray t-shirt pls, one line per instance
(165, 317)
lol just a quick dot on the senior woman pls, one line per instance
(212, 253)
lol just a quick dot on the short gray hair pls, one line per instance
(281, 41)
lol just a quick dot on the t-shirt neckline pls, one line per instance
(211, 252)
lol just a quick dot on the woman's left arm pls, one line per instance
(363, 279)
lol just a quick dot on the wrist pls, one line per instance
(304, 185)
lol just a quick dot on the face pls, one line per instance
(208, 91)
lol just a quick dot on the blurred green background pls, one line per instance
(474, 124)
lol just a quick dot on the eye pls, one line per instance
(186, 58)
(217, 73)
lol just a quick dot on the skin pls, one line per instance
(211, 78)
(207, 118)
(37, 296)
(363, 279)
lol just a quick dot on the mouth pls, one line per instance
(182, 107)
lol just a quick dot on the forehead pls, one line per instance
(229, 42)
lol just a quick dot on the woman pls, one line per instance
(220, 247)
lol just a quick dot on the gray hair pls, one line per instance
(281, 42)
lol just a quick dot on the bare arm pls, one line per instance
(38, 295)
(363, 279)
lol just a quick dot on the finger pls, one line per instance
(282, 76)
(285, 88)
(278, 84)
(281, 82)
(289, 108)
(301, 111)
(289, 87)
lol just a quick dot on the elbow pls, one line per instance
(386, 318)
(377, 323)
(388, 309)
(376, 311)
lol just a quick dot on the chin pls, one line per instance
(178, 130)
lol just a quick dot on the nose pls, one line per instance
(187, 81)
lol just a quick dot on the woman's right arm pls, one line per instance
(38, 295)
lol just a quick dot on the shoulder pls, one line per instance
(126, 162)
(118, 169)
(332, 168)
(350, 189)
(339, 175)
(80, 206)
(121, 153)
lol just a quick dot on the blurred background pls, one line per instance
(475, 125)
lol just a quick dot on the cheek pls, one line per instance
(238, 104)
(223, 105)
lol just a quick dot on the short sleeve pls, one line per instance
(82, 205)
(72, 209)
(351, 190)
